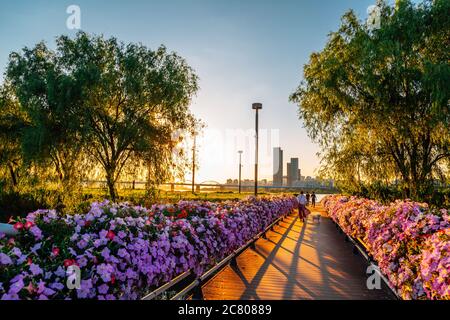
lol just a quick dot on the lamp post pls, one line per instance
(256, 107)
(193, 163)
(240, 168)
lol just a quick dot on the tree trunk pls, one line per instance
(13, 175)
(111, 185)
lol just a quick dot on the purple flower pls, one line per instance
(57, 286)
(105, 271)
(35, 269)
(103, 289)
(16, 287)
(36, 247)
(60, 272)
(36, 232)
(106, 253)
(82, 261)
(10, 296)
(82, 244)
(131, 274)
(17, 252)
(98, 243)
(103, 234)
(122, 253)
(86, 289)
(5, 259)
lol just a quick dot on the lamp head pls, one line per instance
(257, 106)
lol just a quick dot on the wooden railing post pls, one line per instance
(197, 292)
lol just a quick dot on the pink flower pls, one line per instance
(28, 224)
(69, 262)
(18, 226)
(110, 235)
(55, 251)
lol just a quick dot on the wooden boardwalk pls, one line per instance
(296, 261)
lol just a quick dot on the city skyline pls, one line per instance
(293, 172)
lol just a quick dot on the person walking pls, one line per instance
(307, 198)
(301, 206)
(313, 199)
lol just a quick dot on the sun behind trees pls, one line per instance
(378, 100)
(94, 102)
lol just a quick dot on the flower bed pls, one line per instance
(124, 251)
(409, 241)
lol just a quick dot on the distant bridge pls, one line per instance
(216, 184)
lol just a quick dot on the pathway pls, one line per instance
(296, 261)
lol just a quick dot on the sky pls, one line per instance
(243, 51)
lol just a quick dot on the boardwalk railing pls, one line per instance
(195, 286)
(7, 229)
(360, 247)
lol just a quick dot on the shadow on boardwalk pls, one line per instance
(296, 261)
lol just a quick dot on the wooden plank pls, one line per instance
(296, 261)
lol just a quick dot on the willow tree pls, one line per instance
(377, 100)
(100, 99)
(47, 97)
(12, 121)
(132, 100)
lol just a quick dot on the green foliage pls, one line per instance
(378, 100)
(48, 99)
(387, 193)
(12, 121)
(14, 203)
(440, 198)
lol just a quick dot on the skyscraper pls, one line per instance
(277, 166)
(288, 174)
(292, 171)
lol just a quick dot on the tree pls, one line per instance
(132, 100)
(11, 123)
(49, 99)
(98, 98)
(378, 100)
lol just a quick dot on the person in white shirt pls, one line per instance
(302, 206)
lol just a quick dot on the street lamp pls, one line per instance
(240, 168)
(193, 163)
(256, 107)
